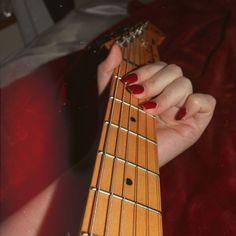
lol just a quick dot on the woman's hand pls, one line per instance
(182, 115)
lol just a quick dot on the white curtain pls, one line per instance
(33, 18)
(70, 34)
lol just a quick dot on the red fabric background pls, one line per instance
(33, 135)
(198, 187)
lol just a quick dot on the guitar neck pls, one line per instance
(124, 195)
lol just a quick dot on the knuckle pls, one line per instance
(195, 100)
(188, 84)
(161, 63)
(163, 97)
(212, 100)
(150, 84)
(175, 69)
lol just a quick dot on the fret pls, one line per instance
(151, 130)
(114, 181)
(126, 142)
(132, 119)
(121, 93)
(125, 200)
(133, 124)
(153, 164)
(141, 123)
(129, 163)
(132, 218)
(131, 132)
(118, 86)
(131, 105)
(127, 220)
(113, 220)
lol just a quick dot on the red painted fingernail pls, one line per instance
(149, 105)
(128, 79)
(135, 89)
(181, 113)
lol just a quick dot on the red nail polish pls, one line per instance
(181, 113)
(128, 79)
(149, 105)
(135, 89)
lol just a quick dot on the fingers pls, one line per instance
(174, 94)
(143, 73)
(166, 88)
(106, 68)
(152, 79)
(199, 106)
(163, 84)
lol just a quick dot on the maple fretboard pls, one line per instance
(124, 195)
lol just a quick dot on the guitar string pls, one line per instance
(125, 94)
(136, 169)
(143, 56)
(121, 228)
(101, 168)
(117, 146)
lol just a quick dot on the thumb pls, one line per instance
(106, 68)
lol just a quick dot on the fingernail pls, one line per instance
(181, 113)
(149, 105)
(128, 79)
(135, 89)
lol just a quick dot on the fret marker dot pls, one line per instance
(132, 119)
(129, 181)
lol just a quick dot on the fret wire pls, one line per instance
(131, 167)
(131, 132)
(126, 103)
(130, 163)
(92, 222)
(132, 106)
(136, 174)
(146, 162)
(114, 163)
(125, 199)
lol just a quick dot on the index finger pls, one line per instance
(143, 73)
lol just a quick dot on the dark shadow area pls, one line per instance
(59, 8)
(84, 120)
